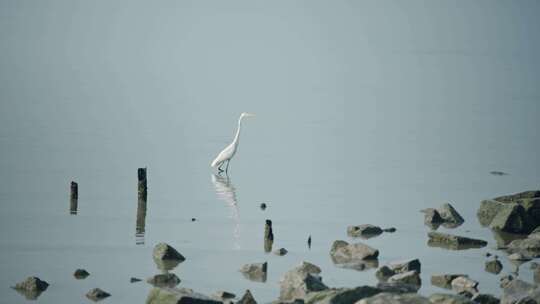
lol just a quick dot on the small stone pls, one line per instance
(390, 230)
(384, 273)
(255, 272)
(97, 294)
(80, 274)
(488, 254)
(224, 295)
(32, 284)
(281, 251)
(444, 280)
(193, 219)
(483, 298)
(134, 280)
(449, 214)
(263, 206)
(164, 251)
(247, 298)
(364, 231)
(493, 266)
(460, 284)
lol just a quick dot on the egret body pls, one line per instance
(228, 153)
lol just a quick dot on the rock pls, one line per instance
(31, 288)
(255, 272)
(405, 265)
(223, 295)
(516, 290)
(341, 295)
(300, 281)
(528, 248)
(483, 298)
(503, 239)
(178, 295)
(397, 287)
(281, 251)
(343, 251)
(518, 257)
(247, 298)
(364, 231)
(432, 218)
(391, 298)
(193, 219)
(81, 274)
(444, 280)
(263, 206)
(166, 257)
(97, 294)
(134, 280)
(493, 266)
(518, 197)
(449, 214)
(164, 280)
(463, 283)
(390, 230)
(384, 273)
(32, 284)
(454, 242)
(441, 298)
(410, 277)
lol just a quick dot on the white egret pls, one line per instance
(228, 153)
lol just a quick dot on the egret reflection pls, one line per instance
(226, 192)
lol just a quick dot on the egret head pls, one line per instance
(244, 114)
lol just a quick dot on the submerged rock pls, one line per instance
(494, 266)
(364, 231)
(483, 298)
(392, 298)
(300, 281)
(178, 295)
(255, 272)
(31, 288)
(81, 274)
(444, 280)
(166, 257)
(247, 298)
(454, 242)
(358, 256)
(449, 214)
(164, 280)
(134, 280)
(97, 294)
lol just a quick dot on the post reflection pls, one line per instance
(226, 192)
(141, 221)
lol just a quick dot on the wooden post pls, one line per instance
(141, 222)
(268, 236)
(143, 190)
(73, 197)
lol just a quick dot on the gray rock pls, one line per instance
(518, 196)
(255, 272)
(224, 295)
(364, 231)
(517, 290)
(384, 273)
(281, 251)
(97, 294)
(341, 295)
(178, 295)
(529, 247)
(503, 239)
(518, 257)
(432, 218)
(81, 274)
(493, 266)
(247, 298)
(397, 287)
(444, 280)
(166, 257)
(392, 298)
(300, 281)
(454, 242)
(31, 288)
(461, 284)
(405, 266)
(355, 255)
(410, 277)
(441, 298)
(449, 214)
(164, 280)
(483, 298)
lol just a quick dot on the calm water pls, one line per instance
(358, 121)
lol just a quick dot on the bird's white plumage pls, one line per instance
(228, 153)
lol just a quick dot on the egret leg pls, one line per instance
(227, 168)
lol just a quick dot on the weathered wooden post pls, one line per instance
(268, 236)
(73, 197)
(143, 190)
(141, 222)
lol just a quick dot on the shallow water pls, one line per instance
(358, 121)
